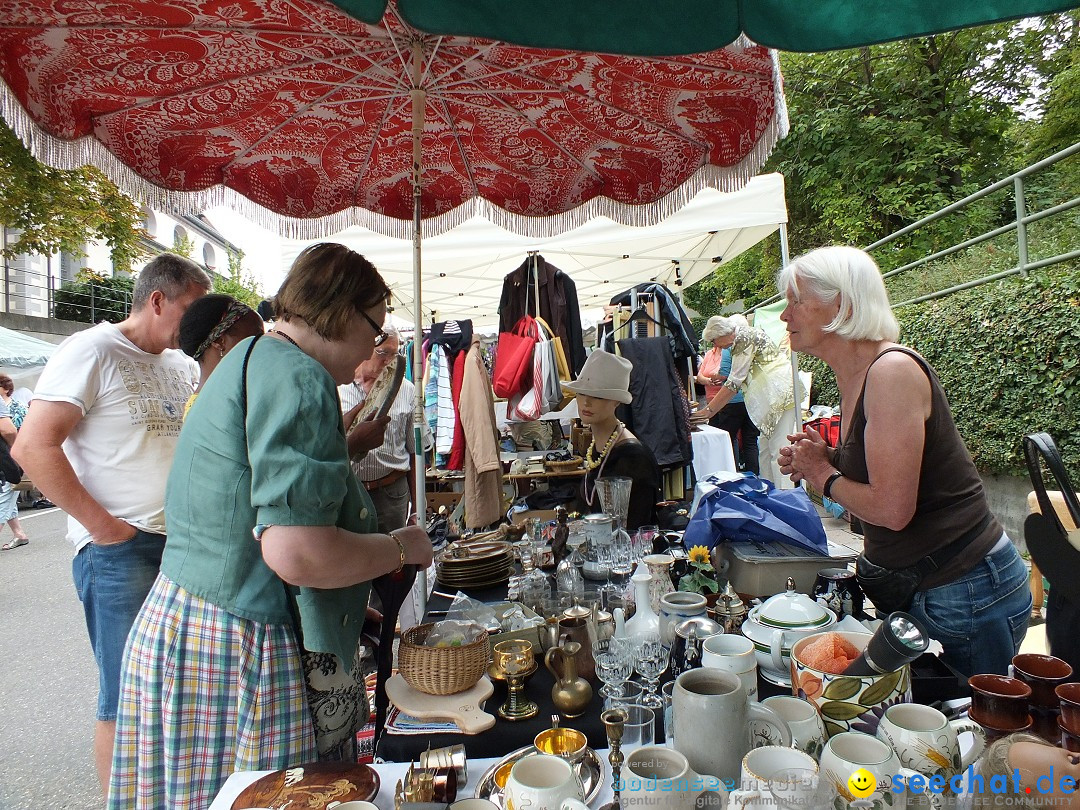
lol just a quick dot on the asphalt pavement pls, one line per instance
(48, 680)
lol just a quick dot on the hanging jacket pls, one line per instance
(659, 414)
(558, 305)
(669, 312)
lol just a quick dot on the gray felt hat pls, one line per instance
(604, 376)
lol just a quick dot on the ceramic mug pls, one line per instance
(732, 653)
(543, 782)
(999, 702)
(1042, 673)
(807, 728)
(774, 769)
(712, 713)
(928, 742)
(850, 752)
(657, 778)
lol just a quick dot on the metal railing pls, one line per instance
(1019, 225)
(28, 290)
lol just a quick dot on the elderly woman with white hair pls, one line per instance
(760, 371)
(902, 468)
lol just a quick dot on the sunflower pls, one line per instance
(700, 554)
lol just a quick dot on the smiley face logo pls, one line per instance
(862, 783)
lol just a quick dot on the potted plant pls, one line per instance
(702, 576)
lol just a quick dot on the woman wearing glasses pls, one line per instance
(213, 676)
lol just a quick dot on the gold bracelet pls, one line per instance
(401, 552)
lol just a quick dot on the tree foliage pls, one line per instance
(885, 135)
(239, 283)
(55, 210)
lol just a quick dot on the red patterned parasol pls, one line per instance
(307, 112)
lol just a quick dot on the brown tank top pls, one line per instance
(950, 500)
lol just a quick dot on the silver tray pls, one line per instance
(590, 771)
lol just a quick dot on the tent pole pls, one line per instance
(785, 259)
(420, 492)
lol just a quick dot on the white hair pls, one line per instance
(717, 327)
(850, 275)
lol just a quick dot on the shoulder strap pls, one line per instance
(1042, 444)
(243, 383)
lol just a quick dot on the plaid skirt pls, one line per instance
(204, 693)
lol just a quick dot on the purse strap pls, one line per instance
(290, 598)
(1042, 444)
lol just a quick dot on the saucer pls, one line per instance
(993, 732)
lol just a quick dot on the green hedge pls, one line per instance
(93, 299)
(1008, 354)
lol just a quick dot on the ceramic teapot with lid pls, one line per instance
(776, 624)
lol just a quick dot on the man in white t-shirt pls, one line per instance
(98, 441)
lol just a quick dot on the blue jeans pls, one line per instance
(982, 617)
(112, 581)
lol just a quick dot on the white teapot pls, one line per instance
(778, 623)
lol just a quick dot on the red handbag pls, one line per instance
(514, 357)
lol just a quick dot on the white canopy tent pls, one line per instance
(463, 269)
(22, 357)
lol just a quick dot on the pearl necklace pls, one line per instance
(592, 463)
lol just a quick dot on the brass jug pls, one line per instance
(571, 693)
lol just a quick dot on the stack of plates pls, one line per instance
(475, 564)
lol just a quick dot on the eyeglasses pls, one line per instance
(380, 335)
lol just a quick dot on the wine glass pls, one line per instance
(651, 661)
(613, 666)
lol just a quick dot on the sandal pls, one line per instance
(14, 543)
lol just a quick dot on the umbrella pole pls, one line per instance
(419, 98)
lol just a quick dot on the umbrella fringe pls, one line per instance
(64, 154)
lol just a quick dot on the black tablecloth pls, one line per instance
(931, 680)
(505, 736)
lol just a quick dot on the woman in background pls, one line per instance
(12, 413)
(211, 326)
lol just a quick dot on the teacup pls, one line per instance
(733, 653)
(853, 758)
(655, 777)
(928, 742)
(543, 782)
(999, 702)
(1042, 673)
(772, 770)
(807, 727)
(568, 743)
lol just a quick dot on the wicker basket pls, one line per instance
(441, 670)
(569, 465)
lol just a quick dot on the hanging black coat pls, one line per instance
(669, 312)
(558, 305)
(659, 415)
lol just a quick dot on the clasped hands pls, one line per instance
(806, 455)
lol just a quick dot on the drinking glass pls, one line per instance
(651, 661)
(624, 694)
(639, 729)
(643, 540)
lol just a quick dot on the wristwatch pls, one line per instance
(826, 490)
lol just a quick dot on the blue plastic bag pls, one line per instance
(751, 508)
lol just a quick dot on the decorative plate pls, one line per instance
(312, 786)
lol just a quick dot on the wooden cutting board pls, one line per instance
(462, 708)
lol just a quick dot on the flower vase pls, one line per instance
(659, 566)
(645, 619)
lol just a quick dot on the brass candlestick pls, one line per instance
(514, 659)
(613, 720)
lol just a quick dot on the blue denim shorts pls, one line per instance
(112, 581)
(980, 618)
